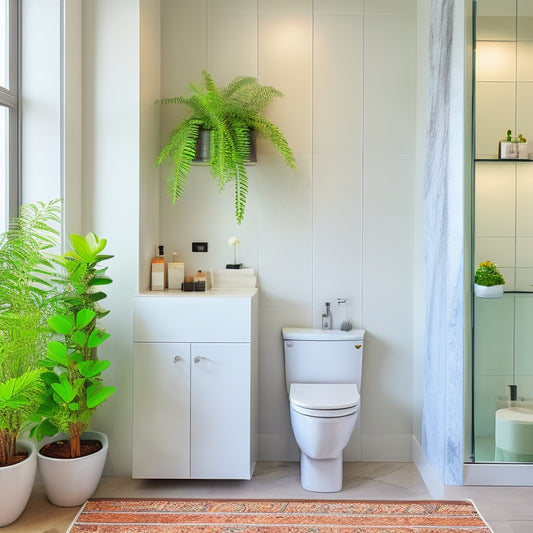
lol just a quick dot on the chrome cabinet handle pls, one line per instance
(178, 358)
(198, 358)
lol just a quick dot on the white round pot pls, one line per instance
(496, 291)
(16, 484)
(70, 482)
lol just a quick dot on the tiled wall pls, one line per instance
(504, 190)
(503, 338)
(341, 225)
(503, 207)
(504, 220)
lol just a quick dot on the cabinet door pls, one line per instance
(161, 410)
(220, 410)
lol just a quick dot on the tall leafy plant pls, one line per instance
(74, 381)
(229, 113)
(27, 300)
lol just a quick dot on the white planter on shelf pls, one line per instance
(16, 483)
(496, 291)
(70, 482)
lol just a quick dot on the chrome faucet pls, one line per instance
(326, 318)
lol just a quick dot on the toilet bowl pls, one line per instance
(514, 435)
(323, 375)
(323, 417)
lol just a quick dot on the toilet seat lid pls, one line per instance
(325, 396)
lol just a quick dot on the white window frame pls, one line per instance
(9, 98)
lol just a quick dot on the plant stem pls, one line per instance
(75, 429)
(8, 440)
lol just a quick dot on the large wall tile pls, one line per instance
(285, 62)
(387, 408)
(390, 7)
(524, 65)
(338, 85)
(285, 233)
(524, 199)
(389, 84)
(524, 279)
(495, 200)
(499, 250)
(524, 116)
(524, 337)
(493, 336)
(339, 7)
(524, 252)
(231, 44)
(285, 6)
(493, 121)
(496, 61)
(337, 231)
(387, 229)
(491, 28)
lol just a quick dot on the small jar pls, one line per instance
(199, 281)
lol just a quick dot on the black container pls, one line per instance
(187, 286)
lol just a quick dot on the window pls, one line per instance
(8, 110)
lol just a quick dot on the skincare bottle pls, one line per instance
(199, 281)
(176, 273)
(158, 270)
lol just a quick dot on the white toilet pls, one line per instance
(323, 376)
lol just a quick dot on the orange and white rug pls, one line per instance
(134, 515)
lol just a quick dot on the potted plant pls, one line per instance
(27, 299)
(228, 115)
(488, 282)
(71, 465)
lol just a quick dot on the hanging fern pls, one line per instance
(229, 113)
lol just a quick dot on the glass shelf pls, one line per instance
(495, 160)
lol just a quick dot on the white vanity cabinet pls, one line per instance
(195, 386)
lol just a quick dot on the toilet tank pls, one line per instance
(323, 356)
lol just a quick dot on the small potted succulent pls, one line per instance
(488, 281)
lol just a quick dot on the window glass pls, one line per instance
(4, 43)
(4, 150)
(8, 111)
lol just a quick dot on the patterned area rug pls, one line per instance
(132, 515)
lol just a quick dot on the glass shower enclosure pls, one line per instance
(502, 362)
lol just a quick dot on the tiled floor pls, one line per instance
(506, 509)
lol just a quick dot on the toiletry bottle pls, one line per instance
(199, 281)
(326, 318)
(176, 273)
(158, 270)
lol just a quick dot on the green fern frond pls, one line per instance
(181, 149)
(237, 85)
(174, 100)
(208, 82)
(276, 138)
(241, 193)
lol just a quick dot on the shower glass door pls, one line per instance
(503, 231)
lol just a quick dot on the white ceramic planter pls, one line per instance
(16, 484)
(70, 482)
(496, 291)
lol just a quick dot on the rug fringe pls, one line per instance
(82, 508)
(480, 515)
